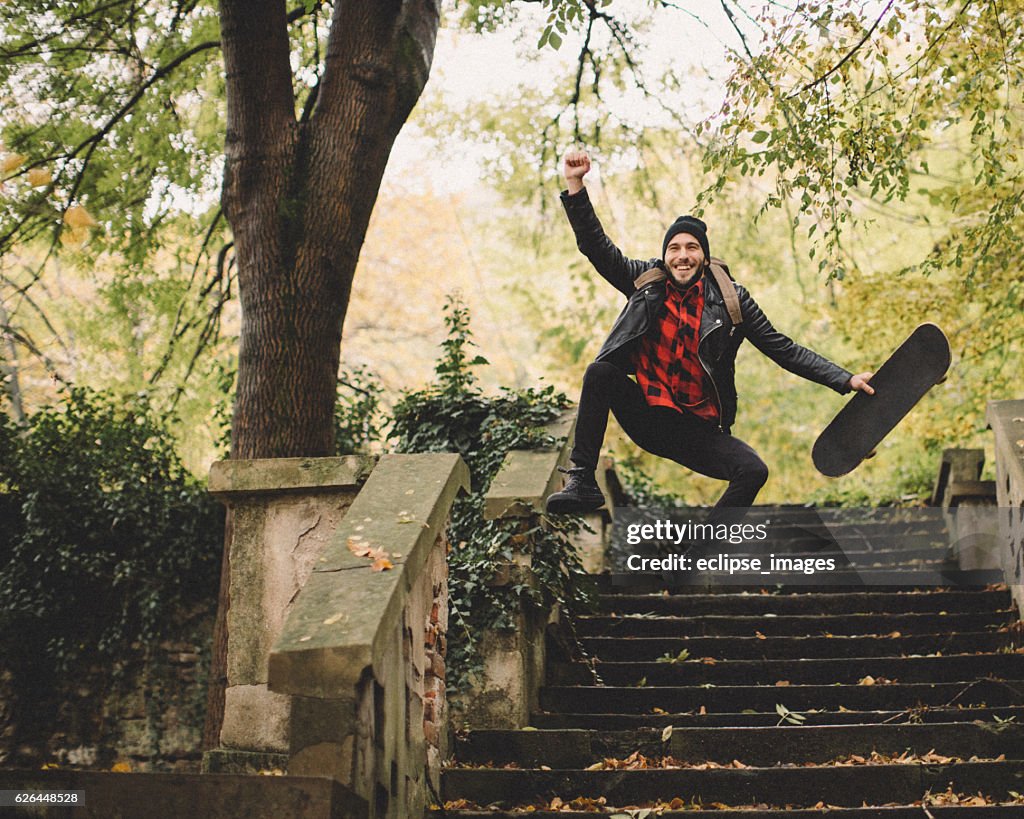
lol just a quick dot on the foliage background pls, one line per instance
(107, 542)
(858, 164)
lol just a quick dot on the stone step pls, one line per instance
(817, 581)
(803, 514)
(881, 538)
(726, 698)
(608, 722)
(791, 624)
(798, 672)
(765, 746)
(945, 812)
(894, 545)
(629, 812)
(618, 649)
(732, 601)
(860, 550)
(799, 786)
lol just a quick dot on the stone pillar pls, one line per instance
(1006, 418)
(968, 504)
(285, 511)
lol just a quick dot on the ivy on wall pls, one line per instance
(455, 416)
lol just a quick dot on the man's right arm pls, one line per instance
(591, 239)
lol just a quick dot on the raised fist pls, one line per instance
(576, 166)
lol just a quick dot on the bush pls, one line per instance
(454, 416)
(105, 535)
(358, 421)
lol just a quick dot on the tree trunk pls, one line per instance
(298, 196)
(9, 370)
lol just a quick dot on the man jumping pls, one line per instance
(679, 333)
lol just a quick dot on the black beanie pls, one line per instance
(692, 225)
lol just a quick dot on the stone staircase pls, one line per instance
(897, 694)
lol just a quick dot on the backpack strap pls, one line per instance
(722, 279)
(651, 274)
(728, 288)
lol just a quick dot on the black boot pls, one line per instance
(581, 493)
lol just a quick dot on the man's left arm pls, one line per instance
(785, 352)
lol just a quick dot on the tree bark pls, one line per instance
(9, 370)
(298, 196)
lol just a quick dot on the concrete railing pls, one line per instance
(345, 668)
(1006, 418)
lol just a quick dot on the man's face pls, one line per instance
(683, 258)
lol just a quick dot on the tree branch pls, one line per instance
(847, 56)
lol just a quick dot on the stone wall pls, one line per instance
(144, 712)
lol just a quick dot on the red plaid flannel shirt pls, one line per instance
(667, 368)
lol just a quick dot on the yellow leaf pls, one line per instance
(78, 217)
(75, 237)
(11, 162)
(122, 767)
(39, 177)
(382, 564)
(866, 681)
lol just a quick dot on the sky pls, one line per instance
(470, 68)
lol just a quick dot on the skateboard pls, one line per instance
(918, 364)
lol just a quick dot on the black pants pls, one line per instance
(679, 436)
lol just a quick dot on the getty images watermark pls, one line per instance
(809, 546)
(697, 537)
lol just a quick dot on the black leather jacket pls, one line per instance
(719, 339)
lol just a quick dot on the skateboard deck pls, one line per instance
(918, 364)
